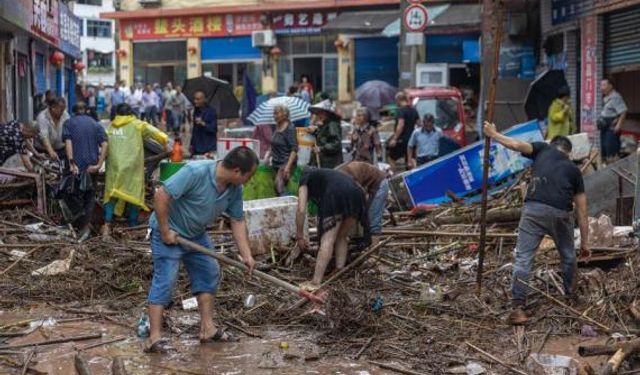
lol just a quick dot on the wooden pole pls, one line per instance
(497, 39)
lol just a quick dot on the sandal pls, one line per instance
(220, 336)
(162, 346)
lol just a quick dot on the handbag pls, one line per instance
(604, 123)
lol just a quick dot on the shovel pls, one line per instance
(258, 274)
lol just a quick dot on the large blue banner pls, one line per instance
(70, 27)
(461, 172)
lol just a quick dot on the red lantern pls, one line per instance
(192, 50)
(122, 53)
(56, 58)
(79, 66)
(276, 52)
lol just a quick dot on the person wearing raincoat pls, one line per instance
(327, 153)
(124, 185)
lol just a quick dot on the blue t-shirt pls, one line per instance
(196, 201)
(86, 136)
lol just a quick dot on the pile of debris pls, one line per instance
(409, 305)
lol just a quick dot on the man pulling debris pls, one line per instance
(556, 188)
(189, 201)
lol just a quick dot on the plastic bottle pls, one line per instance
(143, 325)
(176, 152)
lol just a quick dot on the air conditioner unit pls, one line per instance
(432, 75)
(146, 3)
(263, 38)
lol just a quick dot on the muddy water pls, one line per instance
(249, 356)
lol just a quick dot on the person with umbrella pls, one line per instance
(284, 148)
(365, 138)
(561, 116)
(326, 128)
(204, 135)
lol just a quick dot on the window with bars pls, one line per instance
(97, 59)
(100, 29)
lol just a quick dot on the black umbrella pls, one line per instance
(541, 93)
(219, 95)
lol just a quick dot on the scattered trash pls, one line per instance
(548, 364)
(17, 254)
(284, 345)
(588, 331)
(378, 303)
(143, 326)
(474, 368)
(431, 294)
(56, 267)
(190, 304)
(49, 322)
(250, 301)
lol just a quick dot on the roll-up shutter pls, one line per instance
(622, 47)
(41, 76)
(376, 58)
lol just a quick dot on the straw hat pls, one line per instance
(327, 106)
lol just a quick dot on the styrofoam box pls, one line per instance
(271, 222)
(227, 144)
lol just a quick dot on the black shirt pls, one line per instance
(283, 143)
(555, 179)
(410, 116)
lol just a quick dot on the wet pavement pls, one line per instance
(248, 356)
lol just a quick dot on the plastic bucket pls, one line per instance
(169, 168)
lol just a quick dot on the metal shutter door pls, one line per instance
(376, 58)
(622, 47)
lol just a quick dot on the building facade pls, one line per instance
(97, 42)
(179, 39)
(591, 40)
(39, 50)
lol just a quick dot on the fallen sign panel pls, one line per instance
(460, 172)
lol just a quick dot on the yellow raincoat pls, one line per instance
(561, 121)
(125, 161)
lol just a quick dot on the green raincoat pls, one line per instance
(329, 140)
(125, 161)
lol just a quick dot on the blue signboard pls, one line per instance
(70, 27)
(461, 171)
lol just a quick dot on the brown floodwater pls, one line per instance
(248, 356)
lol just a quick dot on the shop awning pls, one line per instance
(445, 18)
(362, 22)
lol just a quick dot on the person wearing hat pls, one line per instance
(326, 128)
(561, 116)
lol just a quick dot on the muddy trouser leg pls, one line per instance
(562, 233)
(530, 234)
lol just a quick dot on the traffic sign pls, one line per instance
(415, 18)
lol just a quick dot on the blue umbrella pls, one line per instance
(298, 110)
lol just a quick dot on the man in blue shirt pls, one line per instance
(85, 143)
(423, 145)
(189, 201)
(204, 135)
(117, 98)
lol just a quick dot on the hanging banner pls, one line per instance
(588, 76)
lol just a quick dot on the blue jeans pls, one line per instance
(538, 220)
(376, 210)
(203, 270)
(133, 212)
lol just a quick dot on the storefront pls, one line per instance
(622, 55)
(229, 58)
(160, 62)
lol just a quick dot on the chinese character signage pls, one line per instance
(461, 172)
(588, 76)
(564, 10)
(45, 20)
(301, 22)
(69, 32)
(190, 26)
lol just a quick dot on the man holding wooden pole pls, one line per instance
(556, 188)
(189, 201)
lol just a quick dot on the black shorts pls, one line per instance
(397, 152)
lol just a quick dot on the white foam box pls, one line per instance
(581, 147)
(227, 144)
(271, 222)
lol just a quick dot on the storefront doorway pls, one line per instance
(160, 62)
(310, 67)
